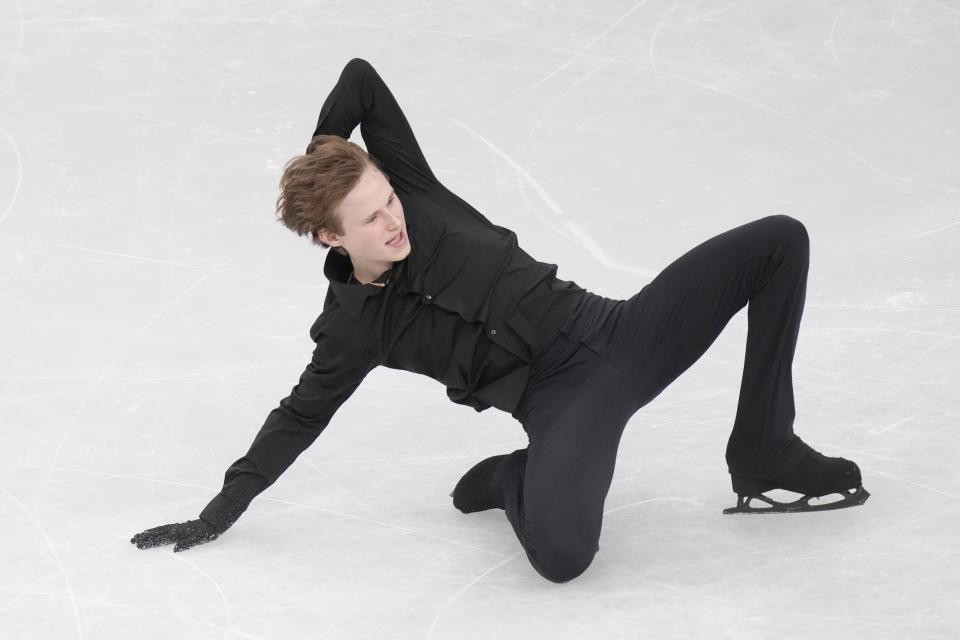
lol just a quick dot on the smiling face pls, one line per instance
(371, 216)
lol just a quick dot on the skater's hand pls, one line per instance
(185, 534)
(218, 516)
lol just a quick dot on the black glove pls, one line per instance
(185, 534)
(218, 516)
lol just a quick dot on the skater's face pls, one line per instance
(372, 216)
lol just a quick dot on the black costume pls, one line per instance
(472, 310)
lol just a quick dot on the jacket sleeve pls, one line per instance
(331, 377)
(361, 97)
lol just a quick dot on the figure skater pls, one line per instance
(419, 280)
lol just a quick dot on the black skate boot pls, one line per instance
(815, 476)
(479, 488)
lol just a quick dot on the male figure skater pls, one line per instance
(421, 281)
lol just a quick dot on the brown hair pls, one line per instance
(314, 184)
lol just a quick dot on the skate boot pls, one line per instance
(479, 488)
(815, 476)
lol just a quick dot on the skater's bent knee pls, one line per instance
(793, 232)
(792, 225)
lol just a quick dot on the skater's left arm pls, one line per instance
(362, 97)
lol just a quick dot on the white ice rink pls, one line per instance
(153, 312)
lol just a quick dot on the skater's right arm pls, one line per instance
(335, 371)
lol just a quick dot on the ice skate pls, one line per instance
(479, 489)
(816, 476)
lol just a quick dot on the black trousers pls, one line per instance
(612, 357)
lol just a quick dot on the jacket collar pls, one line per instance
(424, 242)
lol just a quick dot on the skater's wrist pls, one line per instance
(221, 512)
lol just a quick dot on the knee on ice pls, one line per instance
(563, 566)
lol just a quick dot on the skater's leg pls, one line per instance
(667, 326)
(673, 320)
(554, 490)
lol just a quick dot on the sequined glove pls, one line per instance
(218, 516)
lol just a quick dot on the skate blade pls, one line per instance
(851, 498)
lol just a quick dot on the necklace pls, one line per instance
(374, 283)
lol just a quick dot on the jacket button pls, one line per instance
(429, 297)
(493, 331)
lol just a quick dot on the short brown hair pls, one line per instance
(314, 184)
